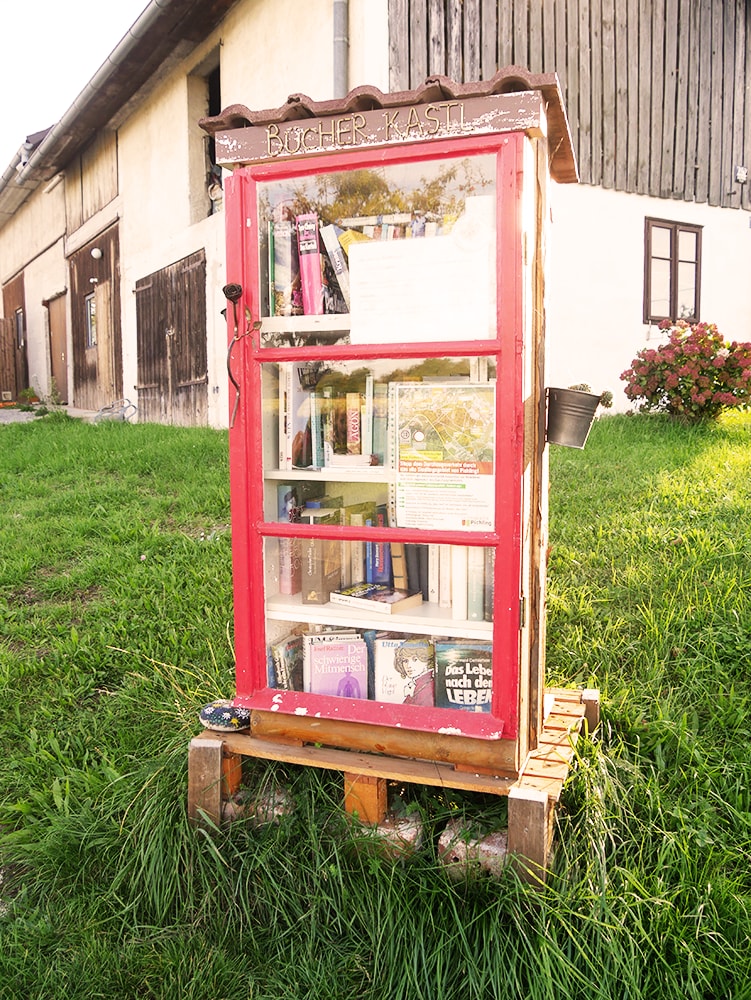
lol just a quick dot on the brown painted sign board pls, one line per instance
(414, 123)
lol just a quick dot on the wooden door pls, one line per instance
(172, 354)
(14, 352)
(58, 347)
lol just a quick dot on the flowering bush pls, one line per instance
(695, 375)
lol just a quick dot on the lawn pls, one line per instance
(115, 627)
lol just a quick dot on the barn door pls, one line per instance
(172, 367)
(58, 346)
(14, 357)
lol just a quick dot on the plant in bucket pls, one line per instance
(571, 413)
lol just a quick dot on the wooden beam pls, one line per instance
(205, 779)
(365, 797)
(529, 832)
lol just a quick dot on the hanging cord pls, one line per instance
(233, 293)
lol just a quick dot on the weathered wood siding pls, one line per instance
(658, 92)
(91, 180)
(172, 355)
(15, 368)
(97, 369)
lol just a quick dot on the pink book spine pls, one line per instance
(309, 250)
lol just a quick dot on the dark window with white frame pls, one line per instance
(672, 271)
(20, 329)
(90, 306)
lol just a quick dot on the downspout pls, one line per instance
(341, 48)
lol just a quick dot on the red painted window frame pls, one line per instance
(246, 451)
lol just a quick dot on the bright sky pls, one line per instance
(49, 50)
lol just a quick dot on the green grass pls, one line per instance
(115, 627)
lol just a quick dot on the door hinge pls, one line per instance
(522, 612)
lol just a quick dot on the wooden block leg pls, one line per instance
(232, 769)
(205, 779)
(530, 829)
(365, 797)
(591, 702)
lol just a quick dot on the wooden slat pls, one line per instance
(645, 100)
(548, 37)
(727, 181)
(436, 37)
(418, 42)
(572, 84)
(391, 768)
(741, 83)
(682, 101)
(703, 136)
(670, 76)
(692, 102)
(657, 96)
(561, 53)
(520, 35)
(489, 35)
(585, 91)
(632, 90)
(505, 33)
(529, 830)
(454, 47)
(472, 41)
(399, 54)
(746, 198)
(713, 151)
(611, 61)
(205, 778)
(535, 42)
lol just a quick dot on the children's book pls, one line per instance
(403, 670)
(464, 675)
(376, 597)
(339, 667)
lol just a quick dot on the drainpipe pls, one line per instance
(341, 48)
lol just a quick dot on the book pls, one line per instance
(339, 668)
(444, 575)
(464, 675)
(356, 514)
(312, 639)
(376, 597)
(434, 571)
(291, 499)
(321, 560)
(378, 554)
(335, 252)
(333, 299)
(287, 292)
(350, 236)
(353, 402)
(403, 670)
(398, 566)
(489, 584)
(295, 434)
(287, 659)
(270, 259)
(379, 433)
(309, 252)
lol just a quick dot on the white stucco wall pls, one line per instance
(595, 281)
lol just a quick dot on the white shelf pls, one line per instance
(427, 619)
(336, 473)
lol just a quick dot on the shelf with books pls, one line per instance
(427, 619)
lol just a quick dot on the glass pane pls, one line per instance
(660, 241)
(380, 255)
(418, 435)
(686, 291)
(660, 289)
(431, 648)
(686, 246)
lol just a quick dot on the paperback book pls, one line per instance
(321, 561)
(464, 675)
(287, 660)
(378, 598)
(404, 670)
(339, 667)
(286, 290)
(309, 251)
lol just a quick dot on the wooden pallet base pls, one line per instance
(215, 762)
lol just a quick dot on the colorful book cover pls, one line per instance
(287, 657)
(339, 668)
(312, 639)
(376, 597)
(287, 288)
(404, 671)
(464, 675)
(379, 446)
(309, 250)
(378, 554)
(295, 435)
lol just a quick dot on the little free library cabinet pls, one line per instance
(385, 260)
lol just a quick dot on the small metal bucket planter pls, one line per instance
(571, 413)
